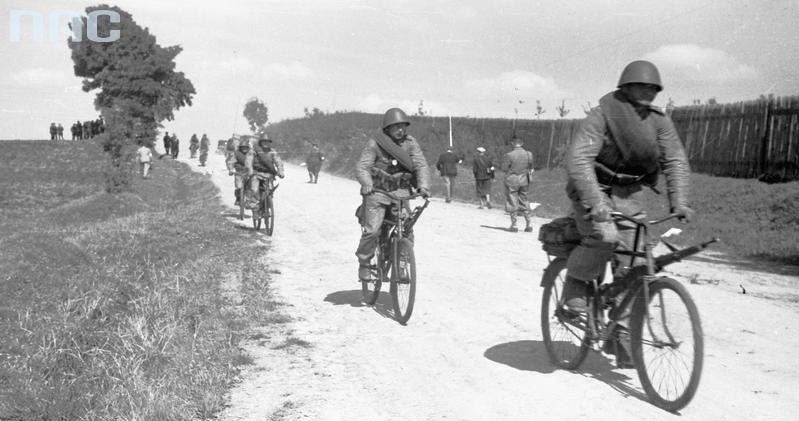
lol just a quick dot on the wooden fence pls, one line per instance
(753, 139)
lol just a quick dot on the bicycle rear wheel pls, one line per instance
(668, 345)
(565, 333)
(269, 215)
(403, 279)
(370, 290)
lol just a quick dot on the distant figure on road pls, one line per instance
(174, 145)
(314, 163)
(60, 132)
(194, 144)
(620, 147)
(204, 145)
(167, 143)
(447, 166)
(518, 167)
(483, 169)
(391, 164)
(79, 130)
(53, 131)
(265, 163)
(145, 156)
(87, 130)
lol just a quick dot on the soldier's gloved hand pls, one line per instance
(367, 190)
(424, 192)
(686, 214)
(600, 213)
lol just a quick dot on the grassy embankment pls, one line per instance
(127, 306)
(752, 219)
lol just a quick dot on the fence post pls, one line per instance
(766, 141)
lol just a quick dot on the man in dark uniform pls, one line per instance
(204, 145)
(167, 143)
(314, 163)
(620, 148)
(379, 169)
(53, 131)
(174, 146)
(447, 166)
(518, 167)
(483, 170)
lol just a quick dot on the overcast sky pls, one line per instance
(466, 57)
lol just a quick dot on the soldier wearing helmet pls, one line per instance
(395, 164)
(620, 148)
(266, 164)
(239, 163)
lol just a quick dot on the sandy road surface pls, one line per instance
(473, 348)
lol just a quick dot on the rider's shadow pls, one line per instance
(532, 356)
(353, 298)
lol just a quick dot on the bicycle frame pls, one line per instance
(404, 222)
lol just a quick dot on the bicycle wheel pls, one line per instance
(269, 215)
(370, 290)
(403, 279)
(668, 345)
(241, 204)
(565, 333)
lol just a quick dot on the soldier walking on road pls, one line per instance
(204, 145)
(53, 131)
(167, 143)
(518, 167)
(59, 132)
(314, 163)
(194, 144)
(174, 146)
(483, 169)
(447, 166)
(145, 156)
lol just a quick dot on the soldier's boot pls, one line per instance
(513, 223)
(528, 226)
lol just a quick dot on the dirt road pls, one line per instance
(473, 348)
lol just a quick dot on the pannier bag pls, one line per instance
(559, 237)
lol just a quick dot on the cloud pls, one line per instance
(699, 64)
(41, 76)
(517, 85)
(292, 71)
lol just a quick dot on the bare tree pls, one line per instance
(562, 111)
(539, 109)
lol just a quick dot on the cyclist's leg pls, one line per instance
(238, 183)
(373, 213)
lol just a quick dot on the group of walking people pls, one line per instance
(79, 130)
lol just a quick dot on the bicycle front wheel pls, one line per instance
(269, 215)
(370, 289)
(403, 279)
(565, 333)
(667, 344)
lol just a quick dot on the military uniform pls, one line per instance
(314, 163)
(239, 164)
(447, 166)
(204, 145)
(377, 169)
(627, 164)
(517, 165)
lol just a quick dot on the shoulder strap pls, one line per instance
(395, 151)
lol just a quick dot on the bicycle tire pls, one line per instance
(567, 344)
(241, 204)
(668, 347)
(269, 216)
(370, 290)
(403, 279)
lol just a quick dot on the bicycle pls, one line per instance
(664, 326)
(394, 259)
(266, 205)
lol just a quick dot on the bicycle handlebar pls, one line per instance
(619, 215)
(395, 197)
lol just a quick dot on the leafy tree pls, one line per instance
(257, 115)
(539, 109)
(562, 110)
(136, 82)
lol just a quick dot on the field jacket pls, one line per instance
(594, 142)
(373, 157)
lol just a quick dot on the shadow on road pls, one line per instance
(532, 356)
(382, 306)
(495, 228)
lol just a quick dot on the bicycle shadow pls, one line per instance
(353, 298)
(532, 356)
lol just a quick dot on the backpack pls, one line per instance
(559, 236)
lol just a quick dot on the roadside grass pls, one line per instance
(125, 307)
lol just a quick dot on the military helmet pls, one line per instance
(244, 142)
(264, 139)
(395, 116)
(641, 71)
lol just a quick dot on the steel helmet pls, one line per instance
(395, 116)
(264, 139)
(641, 71)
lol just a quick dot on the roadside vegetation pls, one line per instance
(127, 306)
(753, 219)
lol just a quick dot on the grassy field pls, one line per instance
(119, 307)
